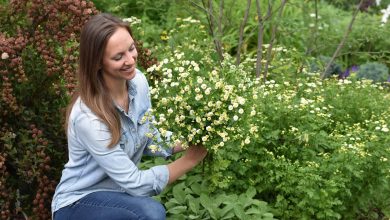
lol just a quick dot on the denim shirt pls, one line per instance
(93, 166)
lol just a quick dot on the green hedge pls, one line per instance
(316, 149)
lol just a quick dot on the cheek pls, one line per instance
(135, 53)
(111, 65)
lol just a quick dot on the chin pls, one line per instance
(132, 75)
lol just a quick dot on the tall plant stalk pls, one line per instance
(211, 21)
(314, 33)
(346, 33)
(260, 32)
(241, 36)
(273, 36)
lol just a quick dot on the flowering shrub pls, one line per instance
(37, 66)
(201, 105)
(312, 149)
(321, 150)
(200, 101)
(38, 49)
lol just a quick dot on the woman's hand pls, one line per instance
(193, 155)
(177, 148)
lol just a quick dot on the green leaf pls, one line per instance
(220, 199)
(196, 188)
(209, 206)
(229, 215)
(268, 216)
(205, 201)
(194, 205)
(172, 203)
(253, 210)
(177, 210)
(251, 192)
(179, 193)
(239, 211)
(194, 217)
(245, 201)
(178, 217)
(232, 199)
(227, 210)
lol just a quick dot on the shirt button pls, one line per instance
(133, 130)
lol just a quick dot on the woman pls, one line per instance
(108, 132)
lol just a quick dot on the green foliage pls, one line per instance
(307, 149)
(37, 66)
(157, 16)
(199, 102)
(374, 71)
(317, 149)
(334, 68)
(300, 28)
(309, 134)
(191, 198)
(368, 5)
(185, 200)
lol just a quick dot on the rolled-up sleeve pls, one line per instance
(156, 146)
(94, 136)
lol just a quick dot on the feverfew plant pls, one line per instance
(197, 98)
(199, 101)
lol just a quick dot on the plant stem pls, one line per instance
(349, 29)
(314, 33)
(260, 32)
(221, 5)
(273, 35)
(238, 59)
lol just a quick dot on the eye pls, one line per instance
(132, 48)
(117, 58)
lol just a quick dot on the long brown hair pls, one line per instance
(91, 87)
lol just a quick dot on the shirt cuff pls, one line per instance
(161, 174)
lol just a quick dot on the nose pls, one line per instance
(131, 58)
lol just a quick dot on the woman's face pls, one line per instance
(120, 57)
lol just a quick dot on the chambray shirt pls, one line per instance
(92, 166)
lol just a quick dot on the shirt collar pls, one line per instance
(132, 89)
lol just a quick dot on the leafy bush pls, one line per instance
(37, 46)
(374, 71)
(196, 100)
(307, 149)
(191, 198)
(333, 70)
(309, 134)
(316, 149)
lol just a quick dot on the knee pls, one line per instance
(155, 211)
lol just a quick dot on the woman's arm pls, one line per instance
(189, 160)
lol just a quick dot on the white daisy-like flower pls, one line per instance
(253, 113)
(196, 69)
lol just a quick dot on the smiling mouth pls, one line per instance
(130, 69)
